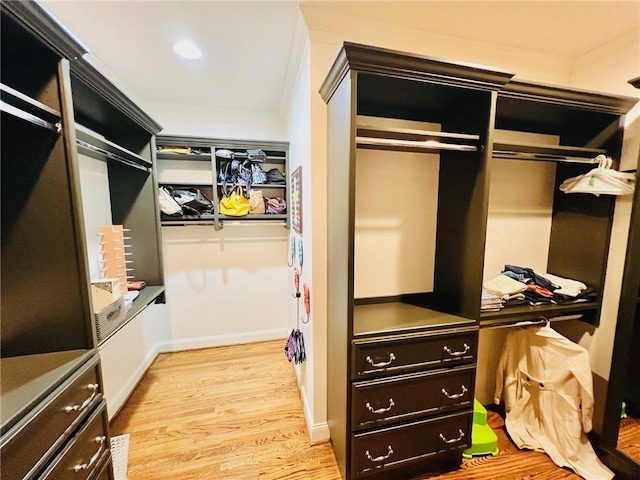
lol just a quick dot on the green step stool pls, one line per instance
(484, 441)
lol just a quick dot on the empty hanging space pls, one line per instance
(543, 137)
(115, 152)
(419, 172)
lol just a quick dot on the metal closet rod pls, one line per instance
(540, 321)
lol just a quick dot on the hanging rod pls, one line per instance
(509, 155)
(29, 117)
(413, 144)
(92, 151)
(540, 321)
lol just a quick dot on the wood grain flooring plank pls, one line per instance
(235, 413)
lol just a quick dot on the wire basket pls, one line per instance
(120, 456)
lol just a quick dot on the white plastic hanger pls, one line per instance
(602, 180)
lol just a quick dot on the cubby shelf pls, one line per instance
(276, 156)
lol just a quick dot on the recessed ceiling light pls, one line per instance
(187, 49)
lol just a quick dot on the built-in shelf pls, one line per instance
(406, 139)
(393, 317)
(24, 102)
(147, 296)
(164, 155)
(28, 379)
(102, 149)
(554, 153)
(26, 108)
(509, 314)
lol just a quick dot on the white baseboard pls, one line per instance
(318, 432)
(222, 340)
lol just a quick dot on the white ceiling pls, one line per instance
(248, 45)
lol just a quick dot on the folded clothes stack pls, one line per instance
(490, 302)
(523, 286)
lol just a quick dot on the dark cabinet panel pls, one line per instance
(399, 355)
(408, 396)
(383, 450)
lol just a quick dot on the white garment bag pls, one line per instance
(602, 180)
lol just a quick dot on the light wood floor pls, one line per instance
(234, 413)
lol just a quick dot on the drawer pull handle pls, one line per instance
(93, 388)
(86, 466)
(392, 357)
(457, 354)
(380, 410)
(381, 458)
(453, 440)
(455, 395)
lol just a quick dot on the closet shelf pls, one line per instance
(26, 108)
(203, 219)
(553, 153)
(102, 149)
(372, 319)
(260, 185)
(148, 295)
(511, 314)
(242, 156)
(406, 139)
(34, 377)
(184, 183)
(196, 157)
(211, 220)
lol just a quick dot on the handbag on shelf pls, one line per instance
(235, 204)
(256, 202)
(258, 176)
(275, 205)
(275, 176)
(168, 204)
(193, 199)
(256, 155)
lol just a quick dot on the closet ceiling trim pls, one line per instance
(364, 58)
(616, 104)
(99, 83)
(220, 143)
(36, 20)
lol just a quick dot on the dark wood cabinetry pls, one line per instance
(623, 381)
(202, 170)
(402, 359)
(53, 414)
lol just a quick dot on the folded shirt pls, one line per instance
(502, 285)
(568, 287)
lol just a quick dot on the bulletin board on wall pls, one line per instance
(296, 200)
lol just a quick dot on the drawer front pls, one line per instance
(377, 402)
(85, 452)
(403, 354)
(56, 417)
(389, 448)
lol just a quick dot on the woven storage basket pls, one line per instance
(110, 318)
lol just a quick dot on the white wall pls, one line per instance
(225, 287)
(220, 123)
(313, 370)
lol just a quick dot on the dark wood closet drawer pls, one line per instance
(390, 355)
(406, 397)
(389, 448)
(85, 452)
(38, 437)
